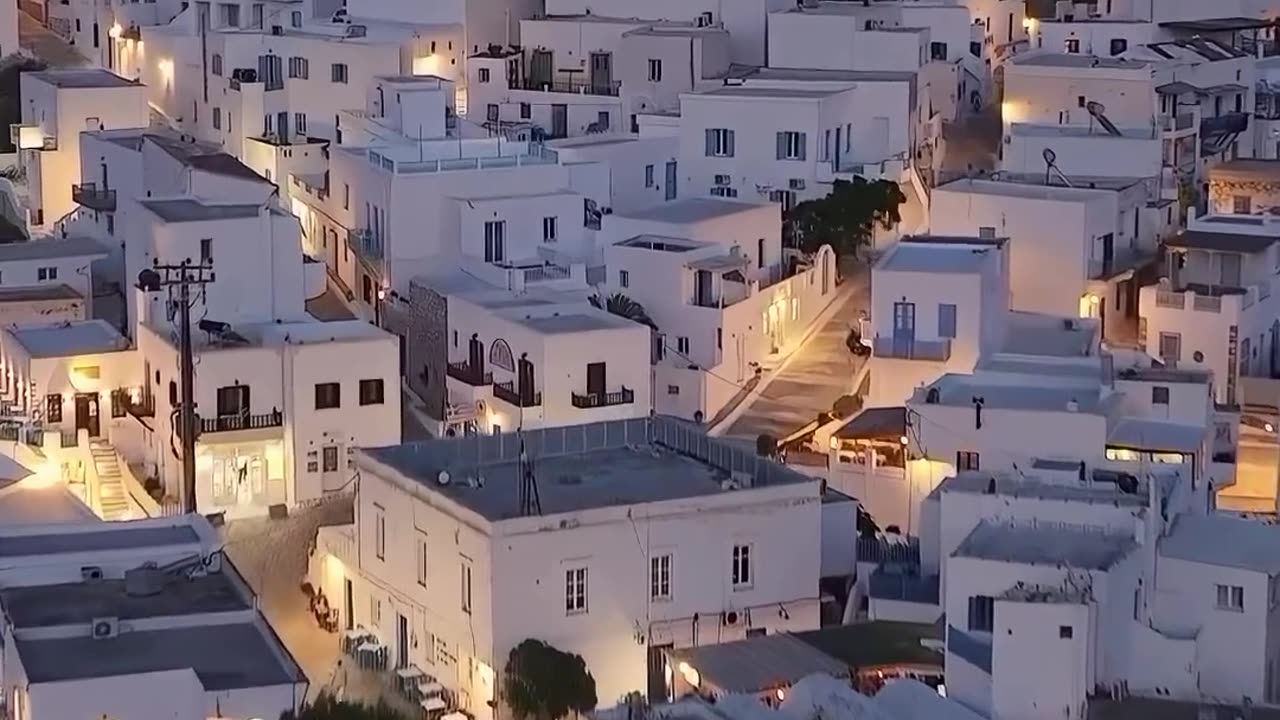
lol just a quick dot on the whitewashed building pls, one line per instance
(452, 553)
(8, 28)
(133, 619)
(724, 297)
(58, 106)
(1213, 308)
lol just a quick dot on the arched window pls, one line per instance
(500, 355)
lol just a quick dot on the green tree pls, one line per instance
(10, 101)
(327, 707)
(623, 306)
(846, 217)
(544, 683)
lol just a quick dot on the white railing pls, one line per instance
(1206, 303)
(1167, 299)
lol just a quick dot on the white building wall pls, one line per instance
(831, 41)
(1062, 637)
(8, 27)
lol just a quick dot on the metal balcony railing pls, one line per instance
(575, 86)
(508, 393)
(91, 196)
(365, 244)
(902, 349)
(230, 423)
(625, 396)
(464, 372)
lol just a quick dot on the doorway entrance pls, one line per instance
(87, 413)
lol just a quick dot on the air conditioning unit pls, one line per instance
(105, 628)
(723, 179)
(277, 30)
(90, 573)
(731, 618)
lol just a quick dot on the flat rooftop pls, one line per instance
(1072, 60)
(79, 79)
(584, 320)
(1035, 334)
(1045, 544)
(1027, 191)
(765, 91)
(81, 337)
(820, 75)
(1242, 242)
(580, 467)
(759, 663)
(51, 249)
(922, 258)
(879, 643)
(955, 389)
(39, 293)
(1224, 540)
(1156, 435)
(972, 482)
(692, 210)
(110, 537)
(223, 657)
(75, 603)
(191, 210)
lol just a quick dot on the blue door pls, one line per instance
(904, 328)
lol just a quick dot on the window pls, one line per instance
(1170, 347)
(299, 68)
(682, 345)
(329, 458)
(1241, 204)
(624, 278)
(53, 408)
(1119, 45)
(215, 64)
(526, 111)
(1065, 632)
(1159, 395)
(491, 112)
(484, 75)
(466, 587)
(300, 123)
(338, 73)
(760, 253)
(655, 70)
(1231, 597)
(380, 531)
(295, 19)
(937, 51)
(987, 232)
(602, 122)
(648, 179)
(346, 196)
(420, 563)
(966, 460)
(790, 145)
(575, 591)
(660, 574)
(217, 118)
(47, 273)
(946, 320)
(1073, 46)
(495, 241)
(549, 229)
(328, 395)
(982, 611)
(724, 192)
(975, 49)
(371, 392)
(673, 389)
(206, 250)
(233, 400)
(719, 142)
(741, 571)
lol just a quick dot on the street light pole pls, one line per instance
(181, 278)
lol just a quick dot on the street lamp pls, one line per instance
(181, 278)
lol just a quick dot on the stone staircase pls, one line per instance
(113, 504)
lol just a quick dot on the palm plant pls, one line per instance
(623, 306)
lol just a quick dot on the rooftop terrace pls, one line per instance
(1045, 544)
(581, 467)
(939, 258)
(1223, 540)
(691, 210)
(76, 603)
(67, 339)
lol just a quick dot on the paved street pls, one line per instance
(38, 41)
(816, 375)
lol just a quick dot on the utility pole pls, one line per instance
(179, 279)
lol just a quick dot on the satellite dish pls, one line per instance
(443, 477)
(1050, 156)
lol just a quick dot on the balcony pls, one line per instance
(507, 393)
(90, 196)
(1177, 123)
(231, 423)
(1217, 133)
(625, 396)
(463, 372)
(931, 350)
(366, 245)
(574, 86)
